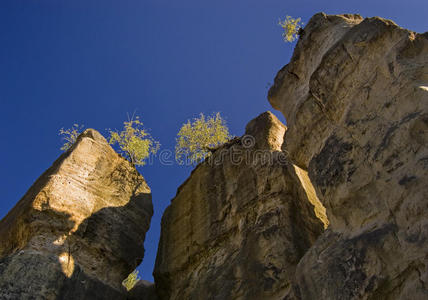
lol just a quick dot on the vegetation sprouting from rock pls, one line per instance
(70, 135)
(131, 280)
(134, 141)
(291, 27)
(196, 139)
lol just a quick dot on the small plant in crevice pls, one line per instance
(131, 280)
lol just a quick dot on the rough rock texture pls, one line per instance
(143, 290)
(240, 224)
(355, 95)
(79, 230)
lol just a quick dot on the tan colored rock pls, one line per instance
(78, 231)
(239, 225)
(355, 95)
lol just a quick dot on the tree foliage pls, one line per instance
(195, 139)
(131, 280)
(134, 141)
(291, 28)
(70, 135)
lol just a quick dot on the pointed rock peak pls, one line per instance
(265, 131)
(79, 229)
(93, 134)
(240, 223)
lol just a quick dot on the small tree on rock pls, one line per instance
(195, 139)
(291, 28)
(70, 135)
(134, 141)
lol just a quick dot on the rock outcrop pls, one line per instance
(240, 224)
(250, 223)
(355, 95)
(143, 290)
(79, 230)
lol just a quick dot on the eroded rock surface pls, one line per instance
(79, 230)
(143, 290)
(355, 95)
(240, 224)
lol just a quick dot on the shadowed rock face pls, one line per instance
(355, 95)
(240, 224)
(143, 290)
(79, 230)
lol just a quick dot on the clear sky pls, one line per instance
(91, 62)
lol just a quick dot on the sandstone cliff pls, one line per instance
(240, 224)
(355, 95)
(78, 232)
(250, 223)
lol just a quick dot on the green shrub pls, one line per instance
(195, 139)
(134, 141)
(131, 280)
(291, 28)
(70, 135)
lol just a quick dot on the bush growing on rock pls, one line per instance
(195, 139)
(291, 28)
(134, 141)
(70, 135)
(131, 280)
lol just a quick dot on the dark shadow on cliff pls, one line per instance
(111, 237)
(106, 247)
(44, 254)
(14, 229)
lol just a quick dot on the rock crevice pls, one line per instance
(240, 224)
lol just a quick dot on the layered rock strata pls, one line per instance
(355, 96)
(240, 224)
(79, 230)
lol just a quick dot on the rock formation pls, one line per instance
(240, 224)
(250, 223)
(143, 290)
(79, 230)
(355, 95)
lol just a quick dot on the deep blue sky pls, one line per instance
(91, 62)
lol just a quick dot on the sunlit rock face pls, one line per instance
(79, 230)
(355, 96)
(240, 223)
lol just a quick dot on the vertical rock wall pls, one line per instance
(240, 224)
(355, 95)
